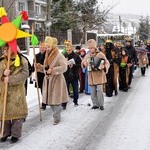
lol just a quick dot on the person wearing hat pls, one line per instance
(66, 43)
(96, 75)
(54, 85)
(112, 75)
(78, 48)
(16, 106)
(132, 56)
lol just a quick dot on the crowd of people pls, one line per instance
(96, 71)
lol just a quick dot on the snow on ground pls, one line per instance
(79, 122)
(131, 129)
(75, 123)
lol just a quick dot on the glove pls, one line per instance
(39, 67)
(7, 72)
(106, 70)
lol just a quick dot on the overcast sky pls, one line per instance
(140, 7)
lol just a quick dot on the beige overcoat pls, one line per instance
(54, 86)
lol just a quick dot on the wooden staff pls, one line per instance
(5, 96)
(37, 84)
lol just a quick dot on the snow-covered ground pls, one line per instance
(124, 124)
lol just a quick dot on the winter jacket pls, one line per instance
(40, 59)
(143, 60)
(72, 73)
(132, 54)
(99, 76)
(16, 106)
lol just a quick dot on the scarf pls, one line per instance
(49, 57)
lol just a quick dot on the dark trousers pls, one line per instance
(110, 81)
(75, 87)
(131, 74)
(143, 69)
(13, 128)
(123, 79)
(82, 80)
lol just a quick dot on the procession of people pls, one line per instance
(96, 70)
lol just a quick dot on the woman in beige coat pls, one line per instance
(143, 61)
(96, 76)
(54, 85)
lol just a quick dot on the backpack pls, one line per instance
(144, 61)
(29, 64)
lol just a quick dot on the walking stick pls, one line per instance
(39, 102)
(5, 97)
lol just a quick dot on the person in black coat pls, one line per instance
(72, 73)
(113, 57)
(132, 56)
(40, 75)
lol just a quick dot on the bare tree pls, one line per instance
(91, 16)
(9, 7)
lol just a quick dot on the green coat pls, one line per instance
(16, 106)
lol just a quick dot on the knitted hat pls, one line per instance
(82, 50)
(50, 41)
(78, 47)
(91, 43)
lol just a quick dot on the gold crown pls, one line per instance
(128, 39)
(108, 41)
(67, 42)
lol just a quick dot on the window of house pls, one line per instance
(37, 26)
(21, 6)
(37, 9)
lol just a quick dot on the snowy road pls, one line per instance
(124, 124)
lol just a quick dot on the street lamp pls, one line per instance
(48, 26)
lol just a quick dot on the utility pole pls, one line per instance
(2, 3)
(120, 22)
(48, 18)
(133, 26)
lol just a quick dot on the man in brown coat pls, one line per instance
(96, 76)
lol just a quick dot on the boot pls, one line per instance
(102, 108)
(3, 139)
(43, 106)
(13, 139)
(116, 93)
(95, 107)
(64, 105)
